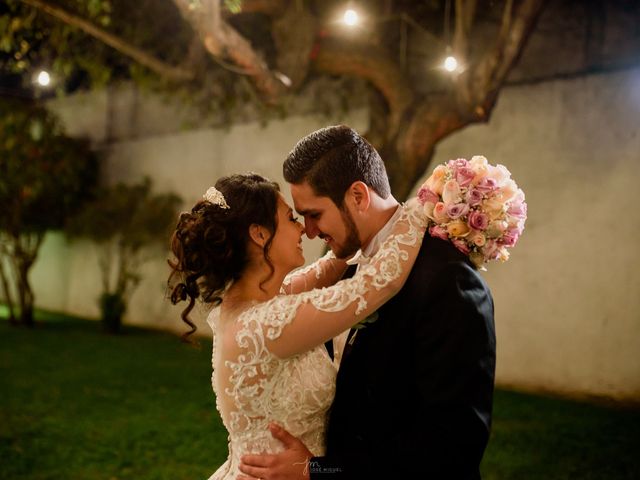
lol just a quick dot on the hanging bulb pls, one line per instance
(350, 17)
(450, 64)
(43, 79)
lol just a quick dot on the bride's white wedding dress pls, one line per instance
(264, 367)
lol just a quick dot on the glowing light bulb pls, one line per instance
(350, 17)
(43, 78)
(450, 64)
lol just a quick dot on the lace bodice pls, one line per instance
(269, 360)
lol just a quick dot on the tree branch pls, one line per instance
(268, 7)
(476, 92)
(135, 53)
(294, 34)
(465, 13)
(222, 41)
(489, 75)
(374, 65)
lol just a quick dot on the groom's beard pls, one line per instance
(352, 241)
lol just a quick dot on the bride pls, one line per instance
(235, 250)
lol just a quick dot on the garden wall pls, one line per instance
(567, 303)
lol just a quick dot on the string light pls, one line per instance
(350, 17)
(450, 64)
(43, 79)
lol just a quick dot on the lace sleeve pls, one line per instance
(293, 324)
(322, 273)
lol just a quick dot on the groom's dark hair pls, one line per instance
(331, 159)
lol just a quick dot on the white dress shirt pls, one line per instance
(363, 257)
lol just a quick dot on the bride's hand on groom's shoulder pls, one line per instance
(290, 464)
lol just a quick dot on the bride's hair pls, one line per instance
(210, 242)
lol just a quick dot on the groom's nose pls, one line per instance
(310, 229)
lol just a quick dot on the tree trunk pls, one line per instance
(7, 294)
(408, 153)
(25, 250)
(25, 293)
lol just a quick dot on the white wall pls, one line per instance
(568, 301)
(66, 276)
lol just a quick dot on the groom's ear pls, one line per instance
(359, 196)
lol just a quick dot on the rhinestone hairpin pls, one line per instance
(215, 196)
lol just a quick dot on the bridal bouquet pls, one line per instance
(476, 206)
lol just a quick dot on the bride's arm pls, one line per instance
(322, 273)
(297, 323)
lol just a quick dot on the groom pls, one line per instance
(415, 386)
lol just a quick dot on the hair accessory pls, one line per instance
(215, 196)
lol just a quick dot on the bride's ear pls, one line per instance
(359, 195)
(259, 235)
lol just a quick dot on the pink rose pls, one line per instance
(515, 223)
(490, 249)
(478, 220)
(440, 213)
(474, 197)
(426, 195)
(438, 232)
(457, 163)
(519, 196)
(518, 210)
(457, 210)
(461, 245)
(487, 185)
(464, 176)
(499, 173)
(508, 190)
(451, 192)
(510, 237)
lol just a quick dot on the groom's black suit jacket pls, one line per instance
(414, 393)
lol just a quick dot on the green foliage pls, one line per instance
(78, 405)
(130, 215)
(31, 39)
(124, 221)
(44, 175)
(234, 6)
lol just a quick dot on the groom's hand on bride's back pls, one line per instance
(292, 463)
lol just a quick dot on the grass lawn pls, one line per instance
(77, 404)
